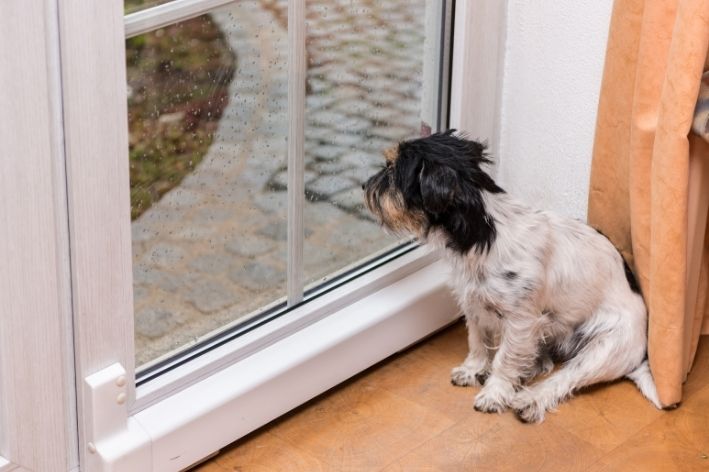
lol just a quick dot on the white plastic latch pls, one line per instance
(114, 441)
(106, 415)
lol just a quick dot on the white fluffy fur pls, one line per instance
(545, 281)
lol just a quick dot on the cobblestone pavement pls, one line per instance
(214, 248)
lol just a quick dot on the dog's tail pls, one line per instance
(642, 377)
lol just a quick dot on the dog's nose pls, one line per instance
(362, 186)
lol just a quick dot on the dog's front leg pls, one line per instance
(476, 366)
(513, 361)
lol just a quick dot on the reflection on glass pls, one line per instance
(207, 102)
(364, 86)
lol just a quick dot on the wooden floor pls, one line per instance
(404, 415)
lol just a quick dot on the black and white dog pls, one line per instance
(536, 289)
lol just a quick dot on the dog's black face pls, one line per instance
(435, 183)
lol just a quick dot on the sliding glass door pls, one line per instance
(215, 187)
(187, 252)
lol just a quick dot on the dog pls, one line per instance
(543, 296)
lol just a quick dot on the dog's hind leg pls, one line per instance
(475, 368)
(608, 351)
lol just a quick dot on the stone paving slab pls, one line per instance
(214, 248)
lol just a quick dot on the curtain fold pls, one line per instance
(698, 233)
(640, 176)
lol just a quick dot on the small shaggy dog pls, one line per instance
(536, 289)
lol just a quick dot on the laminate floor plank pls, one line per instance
(404, 415)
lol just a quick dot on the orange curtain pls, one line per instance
(640, 176)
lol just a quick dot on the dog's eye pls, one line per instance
(388, 165)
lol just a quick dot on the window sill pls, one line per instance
(191, 424)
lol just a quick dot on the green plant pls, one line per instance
(178, 79)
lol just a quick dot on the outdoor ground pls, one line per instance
(213, 248)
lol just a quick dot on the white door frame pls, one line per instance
(337, 336)
(476, 78)
(96, 144)
(38, 429)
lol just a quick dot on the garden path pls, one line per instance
(213, 249)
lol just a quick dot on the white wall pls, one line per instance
(553, 64)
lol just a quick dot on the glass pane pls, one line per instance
(365, 84)
(207, 102)
(131, 6)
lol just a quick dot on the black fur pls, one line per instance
(562, 353)
(580, 338)
(440, 175)
(632, 281)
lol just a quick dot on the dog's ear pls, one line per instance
(438, 185)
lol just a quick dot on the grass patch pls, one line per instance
(178, 79)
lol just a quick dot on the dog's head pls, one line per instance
(435, 183)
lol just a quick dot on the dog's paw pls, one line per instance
(463, 376)
(527, 408)
(530, 413)
(494, 397)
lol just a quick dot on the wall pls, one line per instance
(554, 54)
